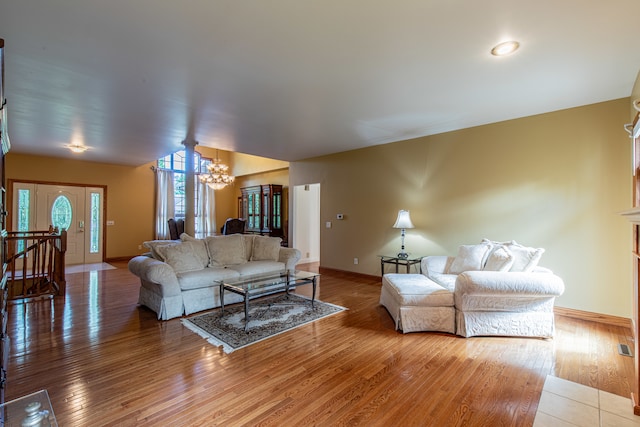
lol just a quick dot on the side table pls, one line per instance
(32, 410)
(394, 260)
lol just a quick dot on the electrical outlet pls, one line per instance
(355, 261)
(328, 224)
(140, 247)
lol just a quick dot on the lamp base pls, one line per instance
(403, 255)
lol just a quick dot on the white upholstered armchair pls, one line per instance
(495, 289)
(502, 303)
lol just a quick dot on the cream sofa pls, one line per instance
(179, 277)
(494, 288)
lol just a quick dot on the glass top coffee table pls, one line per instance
(263, 284)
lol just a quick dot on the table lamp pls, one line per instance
(403, 221)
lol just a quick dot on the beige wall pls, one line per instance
(279, 177)
(555, 181)
(635, 95)
(129, 194)
(246, 164)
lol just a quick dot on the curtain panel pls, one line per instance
(165, 202)
(206, 210)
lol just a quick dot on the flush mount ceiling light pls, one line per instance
(77, 148)
(505, 48)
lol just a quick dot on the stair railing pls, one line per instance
(35, 263)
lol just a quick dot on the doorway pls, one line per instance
(306, 220)
(77, 209)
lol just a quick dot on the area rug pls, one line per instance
(267, 317)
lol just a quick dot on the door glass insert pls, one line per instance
(61, 213)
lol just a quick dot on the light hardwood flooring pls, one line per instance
(106, 361)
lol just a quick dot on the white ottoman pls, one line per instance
(417, 303)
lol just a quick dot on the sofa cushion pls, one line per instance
(180, 256)
(226, 250)
(495, 243)
(265, 248)
(416, 290)
(152, 245)
(500, 259)
(205, 278)
(525, 259)
(248, 245)
(470, 258)
(447, 281)
(257, 267)
(199, 247)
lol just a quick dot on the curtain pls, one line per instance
(206, 210)
(165, 202)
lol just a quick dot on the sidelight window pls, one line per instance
(94, 226)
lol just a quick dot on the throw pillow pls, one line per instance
(226, 250)
(496, 243)
(500, 259)
(470, 258)
(152, 245)
(266, 248)
(199, 247)
(525, 259)
(248, 245)
(181, 257)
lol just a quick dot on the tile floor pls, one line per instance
(565, 403)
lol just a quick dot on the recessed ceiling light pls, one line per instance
(505, 48)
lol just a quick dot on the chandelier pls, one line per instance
(218, 177)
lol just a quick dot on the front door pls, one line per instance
(75, 209)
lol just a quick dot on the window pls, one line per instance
(94, 227)
(177, 163)
(23, 214)
(23, 209)
(61, 213)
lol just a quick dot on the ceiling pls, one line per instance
(292, 79)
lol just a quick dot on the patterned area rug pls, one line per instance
(267, 317)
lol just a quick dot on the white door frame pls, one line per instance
(306, 222)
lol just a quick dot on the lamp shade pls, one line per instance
(403, 220)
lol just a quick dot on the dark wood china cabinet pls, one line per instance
(261, 207)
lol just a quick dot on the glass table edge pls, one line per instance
(396, 258)
(244, 280)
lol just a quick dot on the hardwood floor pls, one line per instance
(106, 361)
